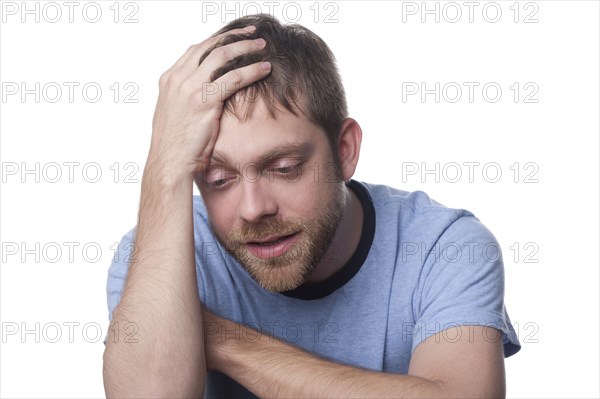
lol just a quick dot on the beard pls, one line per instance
(313, 237)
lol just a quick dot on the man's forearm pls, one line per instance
(161, 299)
(271, 368)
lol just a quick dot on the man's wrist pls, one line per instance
(158, 172)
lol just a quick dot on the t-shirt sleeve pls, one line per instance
(462, 283)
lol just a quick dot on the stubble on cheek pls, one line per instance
(289, 270)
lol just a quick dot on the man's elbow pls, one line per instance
(491, 390)
(126, 378)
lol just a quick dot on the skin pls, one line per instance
(470, 367)
(161, 294)
(257, 194)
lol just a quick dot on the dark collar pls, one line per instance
(342, 276)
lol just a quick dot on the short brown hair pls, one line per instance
(304, 76)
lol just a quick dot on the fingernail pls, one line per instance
(265, 65)
(260, 42)
(250, 28)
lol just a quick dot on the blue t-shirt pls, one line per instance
(419, 269)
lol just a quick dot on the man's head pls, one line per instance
(304, 78)
(274, 189)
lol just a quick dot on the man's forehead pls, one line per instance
(264, 136)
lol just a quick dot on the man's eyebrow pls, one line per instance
(219, 158)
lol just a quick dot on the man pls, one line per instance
(287, 278)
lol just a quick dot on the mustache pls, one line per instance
(249, 232)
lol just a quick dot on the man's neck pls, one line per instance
(345, 240)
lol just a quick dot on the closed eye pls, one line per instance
(284, 170)
(284, 166)
(218, 179)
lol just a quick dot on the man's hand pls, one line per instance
(160, 296)
(190, 105)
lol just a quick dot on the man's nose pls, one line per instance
(257, 201)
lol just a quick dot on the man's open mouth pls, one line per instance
(271, 240)
(271, 246)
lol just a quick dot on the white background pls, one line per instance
(550, 214)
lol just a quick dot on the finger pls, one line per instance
(189, 60)
(234, 80)
(221, 55)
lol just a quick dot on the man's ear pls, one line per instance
(349, 147)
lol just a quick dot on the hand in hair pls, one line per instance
(190, 104)
(184, 131)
